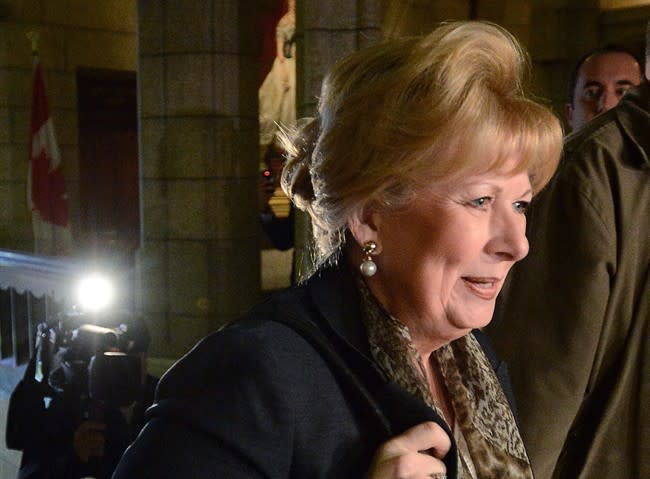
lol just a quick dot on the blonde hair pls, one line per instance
(411, 112)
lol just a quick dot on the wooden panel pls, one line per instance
(108, 163)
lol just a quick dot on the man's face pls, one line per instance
(602, 80)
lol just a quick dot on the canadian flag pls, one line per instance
(46, 185)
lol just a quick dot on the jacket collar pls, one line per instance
(633, 114)
(335, 295)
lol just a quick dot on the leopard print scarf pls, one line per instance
(490, 445)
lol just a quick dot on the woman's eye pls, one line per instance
(481, 203)
(521, 206)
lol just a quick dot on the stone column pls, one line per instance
(199, 262)
(326, 32)
(418, 17)
(560, 32)
(15, 100)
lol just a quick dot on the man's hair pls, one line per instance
(610, 48)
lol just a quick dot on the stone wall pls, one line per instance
(199, 264)
(73, 34)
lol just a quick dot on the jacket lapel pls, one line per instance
(632, 114)
(335, 296)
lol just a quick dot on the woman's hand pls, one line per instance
(416, 453)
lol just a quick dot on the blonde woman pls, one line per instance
(416, 174)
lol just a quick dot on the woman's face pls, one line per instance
(444, 257)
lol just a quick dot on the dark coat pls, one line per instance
(574, 319)
(259, 400)
(45, 435)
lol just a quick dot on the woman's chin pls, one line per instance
(475, 319)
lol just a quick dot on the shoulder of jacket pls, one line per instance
(602, 129)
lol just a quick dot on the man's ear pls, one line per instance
(568, 113)
(364, 226)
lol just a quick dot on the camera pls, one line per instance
(94, 365)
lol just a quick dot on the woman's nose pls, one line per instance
(520, 246)
(509, 240)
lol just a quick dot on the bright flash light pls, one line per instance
(95, 292)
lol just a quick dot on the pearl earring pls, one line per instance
(368, 267)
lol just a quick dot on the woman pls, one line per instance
(416, 176)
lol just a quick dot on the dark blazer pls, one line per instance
(288, 391)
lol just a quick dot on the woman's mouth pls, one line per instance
(484, 288)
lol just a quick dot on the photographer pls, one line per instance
(279, 230)
(82, 399)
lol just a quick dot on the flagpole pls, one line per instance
(47, 193)
(34, 38)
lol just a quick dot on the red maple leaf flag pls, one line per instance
(47, 193)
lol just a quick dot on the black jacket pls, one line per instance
(289, 391)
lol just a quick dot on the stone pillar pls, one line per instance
(513, 15)
(198, 266)
(15, 97)
(560, 32)
(418, 17)
(326, 32)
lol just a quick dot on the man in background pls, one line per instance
(599, 80)
(573, 318)
(278, 229)
(63, 432)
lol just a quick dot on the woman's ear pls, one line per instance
(364, 226)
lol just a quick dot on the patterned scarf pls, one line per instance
(484, 421)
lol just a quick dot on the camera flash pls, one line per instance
(95, 292)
